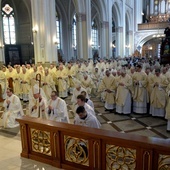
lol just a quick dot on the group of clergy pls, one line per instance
(126, 87)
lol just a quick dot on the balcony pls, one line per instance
(153, 25)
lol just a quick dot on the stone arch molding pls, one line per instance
(142, 38)
(129, 16)
(79, 6)
(116, 13)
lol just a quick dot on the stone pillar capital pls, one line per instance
(119, 29)
(130, 32)
(80, 17)
(104, 24)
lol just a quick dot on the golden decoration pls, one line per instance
(120, 158)
(164, 162)
(146, 155)
(22, 136)
(41, 142)
(76, 150)
(96, 155)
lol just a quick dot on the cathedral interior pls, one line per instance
(52, 31)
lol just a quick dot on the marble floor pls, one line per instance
(145, 125)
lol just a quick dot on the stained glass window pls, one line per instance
(8, 25)
(58, 31)
(94, 34)
(74, 37)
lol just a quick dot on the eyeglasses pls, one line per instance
(53, 95)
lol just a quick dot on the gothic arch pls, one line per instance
(100, 7)
(116, 14)
(79, 6)
(144, 39)
(129, 19)
(61, 12)
(28, 7)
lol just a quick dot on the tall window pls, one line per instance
(58, 31)
(74, 37)
(113, 26)
(156, 6)
(94, 35)
(8, 25)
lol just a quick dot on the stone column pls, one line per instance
(131, 42)
(103, 39)
(138, 13)
(44, 31)
(88, 49)
(2, 56)
(84, 50)
(106, 26)
(80, 19)
(110, 30)
(123, 43)
(119, 42)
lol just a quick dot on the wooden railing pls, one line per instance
(76, 147)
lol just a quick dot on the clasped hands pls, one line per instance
(156, 84)
(107, 90)
(50, 108)
(121, 84)
(136, 82)
(8, 102)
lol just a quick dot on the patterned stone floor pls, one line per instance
(144, 125)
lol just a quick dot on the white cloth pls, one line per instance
(90, 103)
(168, 125)
(109, 106)
(60, 110)
(126, 109)
(76, 93)
(12, 111)
(40, 111)
(89, 121)
(88, 109)
(41, 106)
(160, 112)
(141, 107)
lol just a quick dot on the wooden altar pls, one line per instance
(76, 147)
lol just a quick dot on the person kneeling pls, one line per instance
(13, 110)
(85, 118)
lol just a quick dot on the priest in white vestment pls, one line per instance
(88, 101)
(123, 95)
(158, 95)
(37, 103)
(13, 110)
(57, 108)
(71, 72)
(84, 118)
(140, 94)
(167, 115)
(108, 86)
(87, 83)
(3, 83)
(81, 101)
(61, 76)
(25, 84)
(76, 91)
(48, 85)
